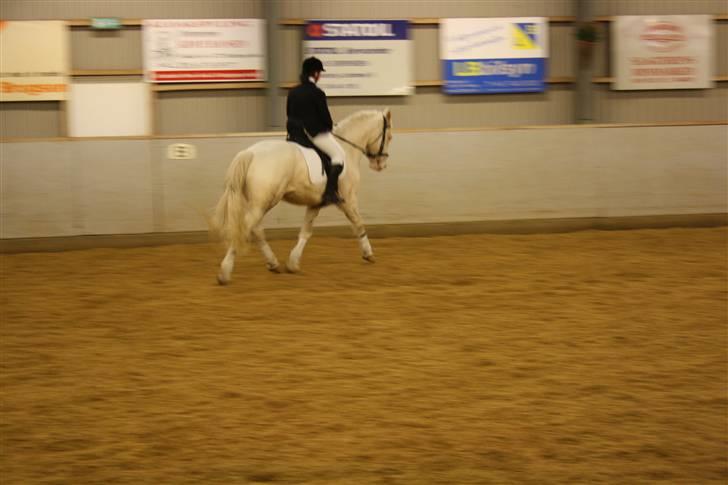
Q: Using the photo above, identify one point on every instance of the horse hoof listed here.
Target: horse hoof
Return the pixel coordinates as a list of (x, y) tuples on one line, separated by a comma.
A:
[(292, 269), (222, 281), (370, 258)]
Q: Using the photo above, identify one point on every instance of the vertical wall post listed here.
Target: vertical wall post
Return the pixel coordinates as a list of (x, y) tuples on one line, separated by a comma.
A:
[(583, 111), (272, 99)]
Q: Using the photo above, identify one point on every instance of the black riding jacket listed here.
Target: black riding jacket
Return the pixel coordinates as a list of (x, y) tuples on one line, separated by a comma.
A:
[(307, 109)]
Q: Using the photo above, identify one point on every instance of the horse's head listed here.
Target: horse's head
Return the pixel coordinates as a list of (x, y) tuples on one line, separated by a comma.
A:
[(378, 146), (369, 132)]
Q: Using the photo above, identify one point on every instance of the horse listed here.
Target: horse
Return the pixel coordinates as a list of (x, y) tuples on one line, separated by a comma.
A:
[(270, 171)]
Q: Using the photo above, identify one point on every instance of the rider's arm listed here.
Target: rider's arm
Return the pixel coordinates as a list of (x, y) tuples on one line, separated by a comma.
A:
[(322, 108)]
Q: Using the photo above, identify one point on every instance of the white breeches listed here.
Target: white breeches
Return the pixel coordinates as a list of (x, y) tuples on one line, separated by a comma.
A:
[(327, 143)]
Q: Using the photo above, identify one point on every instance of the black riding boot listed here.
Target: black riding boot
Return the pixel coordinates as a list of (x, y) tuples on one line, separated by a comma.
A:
[(332, 185)]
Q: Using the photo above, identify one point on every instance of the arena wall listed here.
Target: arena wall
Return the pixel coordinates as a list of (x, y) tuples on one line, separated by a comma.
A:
[(456, 160), (129, 186)]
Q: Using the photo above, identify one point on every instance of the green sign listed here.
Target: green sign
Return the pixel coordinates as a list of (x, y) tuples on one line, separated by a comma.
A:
[(105, 23)]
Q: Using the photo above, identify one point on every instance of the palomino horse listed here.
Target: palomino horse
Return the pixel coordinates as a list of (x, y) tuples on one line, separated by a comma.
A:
[(270, 171)]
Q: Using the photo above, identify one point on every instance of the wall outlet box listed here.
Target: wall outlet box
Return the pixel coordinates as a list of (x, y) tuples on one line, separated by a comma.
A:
[(181, 151)]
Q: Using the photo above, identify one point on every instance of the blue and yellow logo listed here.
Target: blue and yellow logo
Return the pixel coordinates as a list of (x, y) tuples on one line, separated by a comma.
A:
[(525, 35)]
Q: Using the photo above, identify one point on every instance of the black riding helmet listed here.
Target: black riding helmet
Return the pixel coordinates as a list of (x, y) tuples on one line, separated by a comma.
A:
[(311, 65)]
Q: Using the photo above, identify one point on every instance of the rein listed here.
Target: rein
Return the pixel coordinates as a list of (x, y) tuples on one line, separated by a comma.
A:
[(366, 152)]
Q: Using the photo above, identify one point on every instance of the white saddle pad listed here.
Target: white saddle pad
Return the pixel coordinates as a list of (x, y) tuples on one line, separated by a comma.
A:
[(315, 173)]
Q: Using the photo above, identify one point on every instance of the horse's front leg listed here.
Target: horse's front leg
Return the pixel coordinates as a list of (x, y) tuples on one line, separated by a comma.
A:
[(294, 259), (226, 267), (350, 208)]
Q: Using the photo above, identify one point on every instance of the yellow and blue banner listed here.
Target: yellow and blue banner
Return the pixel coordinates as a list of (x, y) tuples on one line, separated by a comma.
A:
[(494, 55)]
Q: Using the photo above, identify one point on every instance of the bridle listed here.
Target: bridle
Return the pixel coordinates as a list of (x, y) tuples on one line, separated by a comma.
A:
[(366, 152)]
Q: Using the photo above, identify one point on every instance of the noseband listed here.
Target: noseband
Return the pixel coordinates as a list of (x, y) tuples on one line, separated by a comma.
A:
[(366, 152)]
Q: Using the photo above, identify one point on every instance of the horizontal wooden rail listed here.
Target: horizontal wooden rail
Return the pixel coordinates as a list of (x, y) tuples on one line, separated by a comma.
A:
[(107, 72), (414, 21), (87, 22), (437, 83), (207, 86), (419, 20), (609, 18), (428, 84), (288, 85), (425, 21), (607, 80), (561, 80)]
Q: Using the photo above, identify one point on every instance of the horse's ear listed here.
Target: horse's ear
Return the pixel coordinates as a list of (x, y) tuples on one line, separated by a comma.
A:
[(388, 114)]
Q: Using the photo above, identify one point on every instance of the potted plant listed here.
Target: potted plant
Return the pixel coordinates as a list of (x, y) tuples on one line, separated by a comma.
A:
[(586, 39)]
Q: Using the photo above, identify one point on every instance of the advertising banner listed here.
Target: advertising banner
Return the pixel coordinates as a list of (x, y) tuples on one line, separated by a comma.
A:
[(35, 60), (208, 50), (494, 55), (663, 51), (362, 57)]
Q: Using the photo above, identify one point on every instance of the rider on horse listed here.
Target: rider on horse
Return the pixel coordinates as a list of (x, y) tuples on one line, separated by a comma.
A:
[(309, 118)]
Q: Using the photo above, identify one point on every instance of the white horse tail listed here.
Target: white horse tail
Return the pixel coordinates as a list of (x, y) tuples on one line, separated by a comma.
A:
[(229, 214)]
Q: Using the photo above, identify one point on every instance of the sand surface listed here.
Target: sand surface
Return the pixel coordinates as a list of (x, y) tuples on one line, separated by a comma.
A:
[(589, 357)]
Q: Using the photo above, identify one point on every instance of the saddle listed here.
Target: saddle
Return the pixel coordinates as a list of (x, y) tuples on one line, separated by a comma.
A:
[(304, 141)]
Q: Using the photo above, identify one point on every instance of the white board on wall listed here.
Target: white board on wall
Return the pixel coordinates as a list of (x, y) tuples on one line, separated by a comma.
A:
[(109, 109), (663, 51)]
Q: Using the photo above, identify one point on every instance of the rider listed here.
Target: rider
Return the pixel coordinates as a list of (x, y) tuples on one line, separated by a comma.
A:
[(309, 117)]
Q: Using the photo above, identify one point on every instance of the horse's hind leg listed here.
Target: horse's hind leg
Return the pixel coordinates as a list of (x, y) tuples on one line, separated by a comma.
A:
[(252, 219), (294, 259), (271, 262)]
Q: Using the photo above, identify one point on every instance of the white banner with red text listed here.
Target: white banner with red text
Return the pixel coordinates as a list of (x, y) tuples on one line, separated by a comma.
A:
[(206, 50), (663, 51)]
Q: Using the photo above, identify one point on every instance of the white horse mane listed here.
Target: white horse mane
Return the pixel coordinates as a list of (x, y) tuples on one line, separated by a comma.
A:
[(354, 118)]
